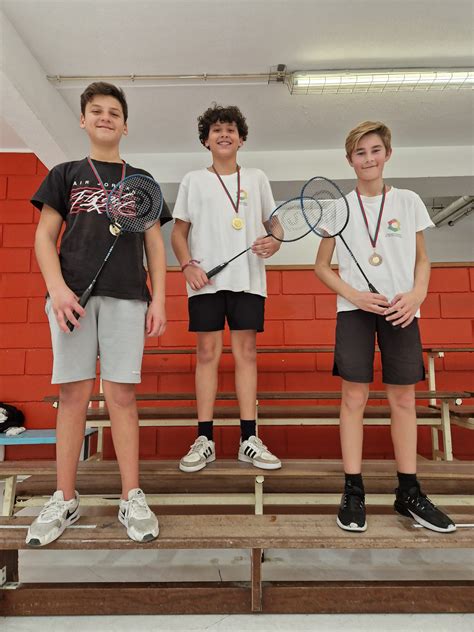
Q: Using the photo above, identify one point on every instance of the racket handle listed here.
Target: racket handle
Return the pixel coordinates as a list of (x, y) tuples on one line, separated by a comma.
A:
[(217, 269), (374, 291), (82, 302)]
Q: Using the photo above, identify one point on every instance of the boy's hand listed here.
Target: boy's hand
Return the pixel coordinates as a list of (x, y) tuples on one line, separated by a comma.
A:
[(403, 308), (155, 324), (195, 277), (370, 302), (265, 247), (64, 303)]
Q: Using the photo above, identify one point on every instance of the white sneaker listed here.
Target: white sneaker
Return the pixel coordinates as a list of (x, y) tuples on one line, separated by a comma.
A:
[(202, 452), (56, 515), (252, 450), (137, 517)]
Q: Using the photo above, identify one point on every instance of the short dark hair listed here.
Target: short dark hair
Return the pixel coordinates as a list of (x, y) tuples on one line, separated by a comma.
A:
[(105, 89), (221, 114)]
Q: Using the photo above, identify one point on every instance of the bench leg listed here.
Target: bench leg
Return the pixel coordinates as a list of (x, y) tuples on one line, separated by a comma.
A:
[(435, 444), (100, 443), (446, 430), (9, 494), (256, 580), (9, 562), (259, 495)]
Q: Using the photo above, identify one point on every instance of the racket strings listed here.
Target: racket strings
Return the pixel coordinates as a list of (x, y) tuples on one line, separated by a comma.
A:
[(294, 219), (135, 204), (333, 204)]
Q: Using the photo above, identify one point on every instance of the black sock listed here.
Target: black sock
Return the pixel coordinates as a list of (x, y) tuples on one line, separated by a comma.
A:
[(354, 480), (407, 481), (248, 428), (206, 428)]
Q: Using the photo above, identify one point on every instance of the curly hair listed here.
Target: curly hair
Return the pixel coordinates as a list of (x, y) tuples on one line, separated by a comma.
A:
[(221, 114), (102, 88)]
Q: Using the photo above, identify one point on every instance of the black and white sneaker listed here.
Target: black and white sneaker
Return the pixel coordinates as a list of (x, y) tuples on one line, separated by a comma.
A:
[(56, 515), (202, 452), (418, 506), (351, 516), (253, 450)]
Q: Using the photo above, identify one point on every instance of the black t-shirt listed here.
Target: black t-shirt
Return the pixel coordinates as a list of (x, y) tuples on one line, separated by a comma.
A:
[(73, 190)]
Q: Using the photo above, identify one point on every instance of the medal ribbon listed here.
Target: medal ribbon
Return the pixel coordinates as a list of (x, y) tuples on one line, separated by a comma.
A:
[(235, 205), (124, 168), (373, 240)]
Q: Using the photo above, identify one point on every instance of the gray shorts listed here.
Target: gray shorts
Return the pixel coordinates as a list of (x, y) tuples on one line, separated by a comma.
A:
[(113, 329)]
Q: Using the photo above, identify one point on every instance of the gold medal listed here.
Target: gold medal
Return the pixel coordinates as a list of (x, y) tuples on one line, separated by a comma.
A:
[(375, 259), (237, 223), (115, 229)]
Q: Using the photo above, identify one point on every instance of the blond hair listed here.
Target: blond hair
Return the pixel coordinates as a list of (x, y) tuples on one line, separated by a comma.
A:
[(368, 127)]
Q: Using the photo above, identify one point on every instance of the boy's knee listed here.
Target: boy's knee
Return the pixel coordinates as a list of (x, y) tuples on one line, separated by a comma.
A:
[(119, 395), (208, 353), (75, 394), (401, 398), (355, 397)]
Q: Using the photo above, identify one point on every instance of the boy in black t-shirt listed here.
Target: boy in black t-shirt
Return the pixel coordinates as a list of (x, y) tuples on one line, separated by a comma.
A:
[(116, 317)]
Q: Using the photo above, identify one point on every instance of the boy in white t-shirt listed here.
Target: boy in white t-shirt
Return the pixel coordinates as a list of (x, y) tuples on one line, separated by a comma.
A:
[(385, 233), (219, 211)]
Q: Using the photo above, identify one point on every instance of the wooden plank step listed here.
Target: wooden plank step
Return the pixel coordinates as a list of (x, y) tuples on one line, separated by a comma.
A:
[(245, 531), (280, 395), (265, 411), (308, 468)]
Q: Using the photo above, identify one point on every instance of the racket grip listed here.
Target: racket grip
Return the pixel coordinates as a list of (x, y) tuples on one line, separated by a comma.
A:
[(215, 270), (82, 302), (374, 291)]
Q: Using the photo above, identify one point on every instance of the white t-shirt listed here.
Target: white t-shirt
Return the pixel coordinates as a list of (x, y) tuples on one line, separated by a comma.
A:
[(403, 216), (203, 203)]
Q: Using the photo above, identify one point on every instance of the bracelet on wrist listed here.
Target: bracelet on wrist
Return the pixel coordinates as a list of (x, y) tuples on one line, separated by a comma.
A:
[(191, 262)]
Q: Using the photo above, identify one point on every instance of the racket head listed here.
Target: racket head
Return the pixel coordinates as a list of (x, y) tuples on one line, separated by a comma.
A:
[(134, 204), (333, 203), (294, 219)]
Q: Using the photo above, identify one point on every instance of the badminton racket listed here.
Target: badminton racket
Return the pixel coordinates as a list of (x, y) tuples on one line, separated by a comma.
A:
[(291, 221), (133, 206), (334, 214)]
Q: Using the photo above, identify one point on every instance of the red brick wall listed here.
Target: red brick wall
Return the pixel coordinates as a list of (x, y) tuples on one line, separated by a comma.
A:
[(300, 311)]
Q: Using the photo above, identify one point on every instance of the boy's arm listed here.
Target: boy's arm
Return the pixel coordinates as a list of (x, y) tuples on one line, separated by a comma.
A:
[(193, 273), (156, 262), (64, 301), (404, 306), (368, 301)]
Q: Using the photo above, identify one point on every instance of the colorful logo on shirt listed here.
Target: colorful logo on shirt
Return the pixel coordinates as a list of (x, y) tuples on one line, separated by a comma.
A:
[(394, 225), (243, 196)]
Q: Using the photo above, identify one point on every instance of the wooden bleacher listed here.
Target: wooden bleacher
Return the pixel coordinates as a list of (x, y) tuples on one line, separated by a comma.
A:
[(232, 505), (286, 408), (253, 533)]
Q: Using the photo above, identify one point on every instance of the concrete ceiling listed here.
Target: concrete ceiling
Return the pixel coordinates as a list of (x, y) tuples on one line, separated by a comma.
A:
[(123, 37)]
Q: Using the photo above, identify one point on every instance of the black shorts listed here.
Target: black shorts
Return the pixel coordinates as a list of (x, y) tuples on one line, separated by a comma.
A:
[(242, 310), (400, 349)]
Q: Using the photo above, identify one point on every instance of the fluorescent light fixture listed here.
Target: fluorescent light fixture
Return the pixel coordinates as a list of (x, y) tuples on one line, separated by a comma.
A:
[(355, 81)]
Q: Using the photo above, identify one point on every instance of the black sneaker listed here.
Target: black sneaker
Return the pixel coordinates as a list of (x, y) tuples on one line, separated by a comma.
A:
[(418, 506), (351, 516)]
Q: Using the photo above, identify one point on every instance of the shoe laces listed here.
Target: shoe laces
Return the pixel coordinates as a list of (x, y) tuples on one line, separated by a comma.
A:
[(258, 443), (138, 507), (199, 445), (52, 510), (421, 500), (352, 499)]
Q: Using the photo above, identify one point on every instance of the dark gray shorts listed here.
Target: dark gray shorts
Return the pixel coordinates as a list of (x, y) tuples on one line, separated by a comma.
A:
[(242, 311), (400, 349)]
